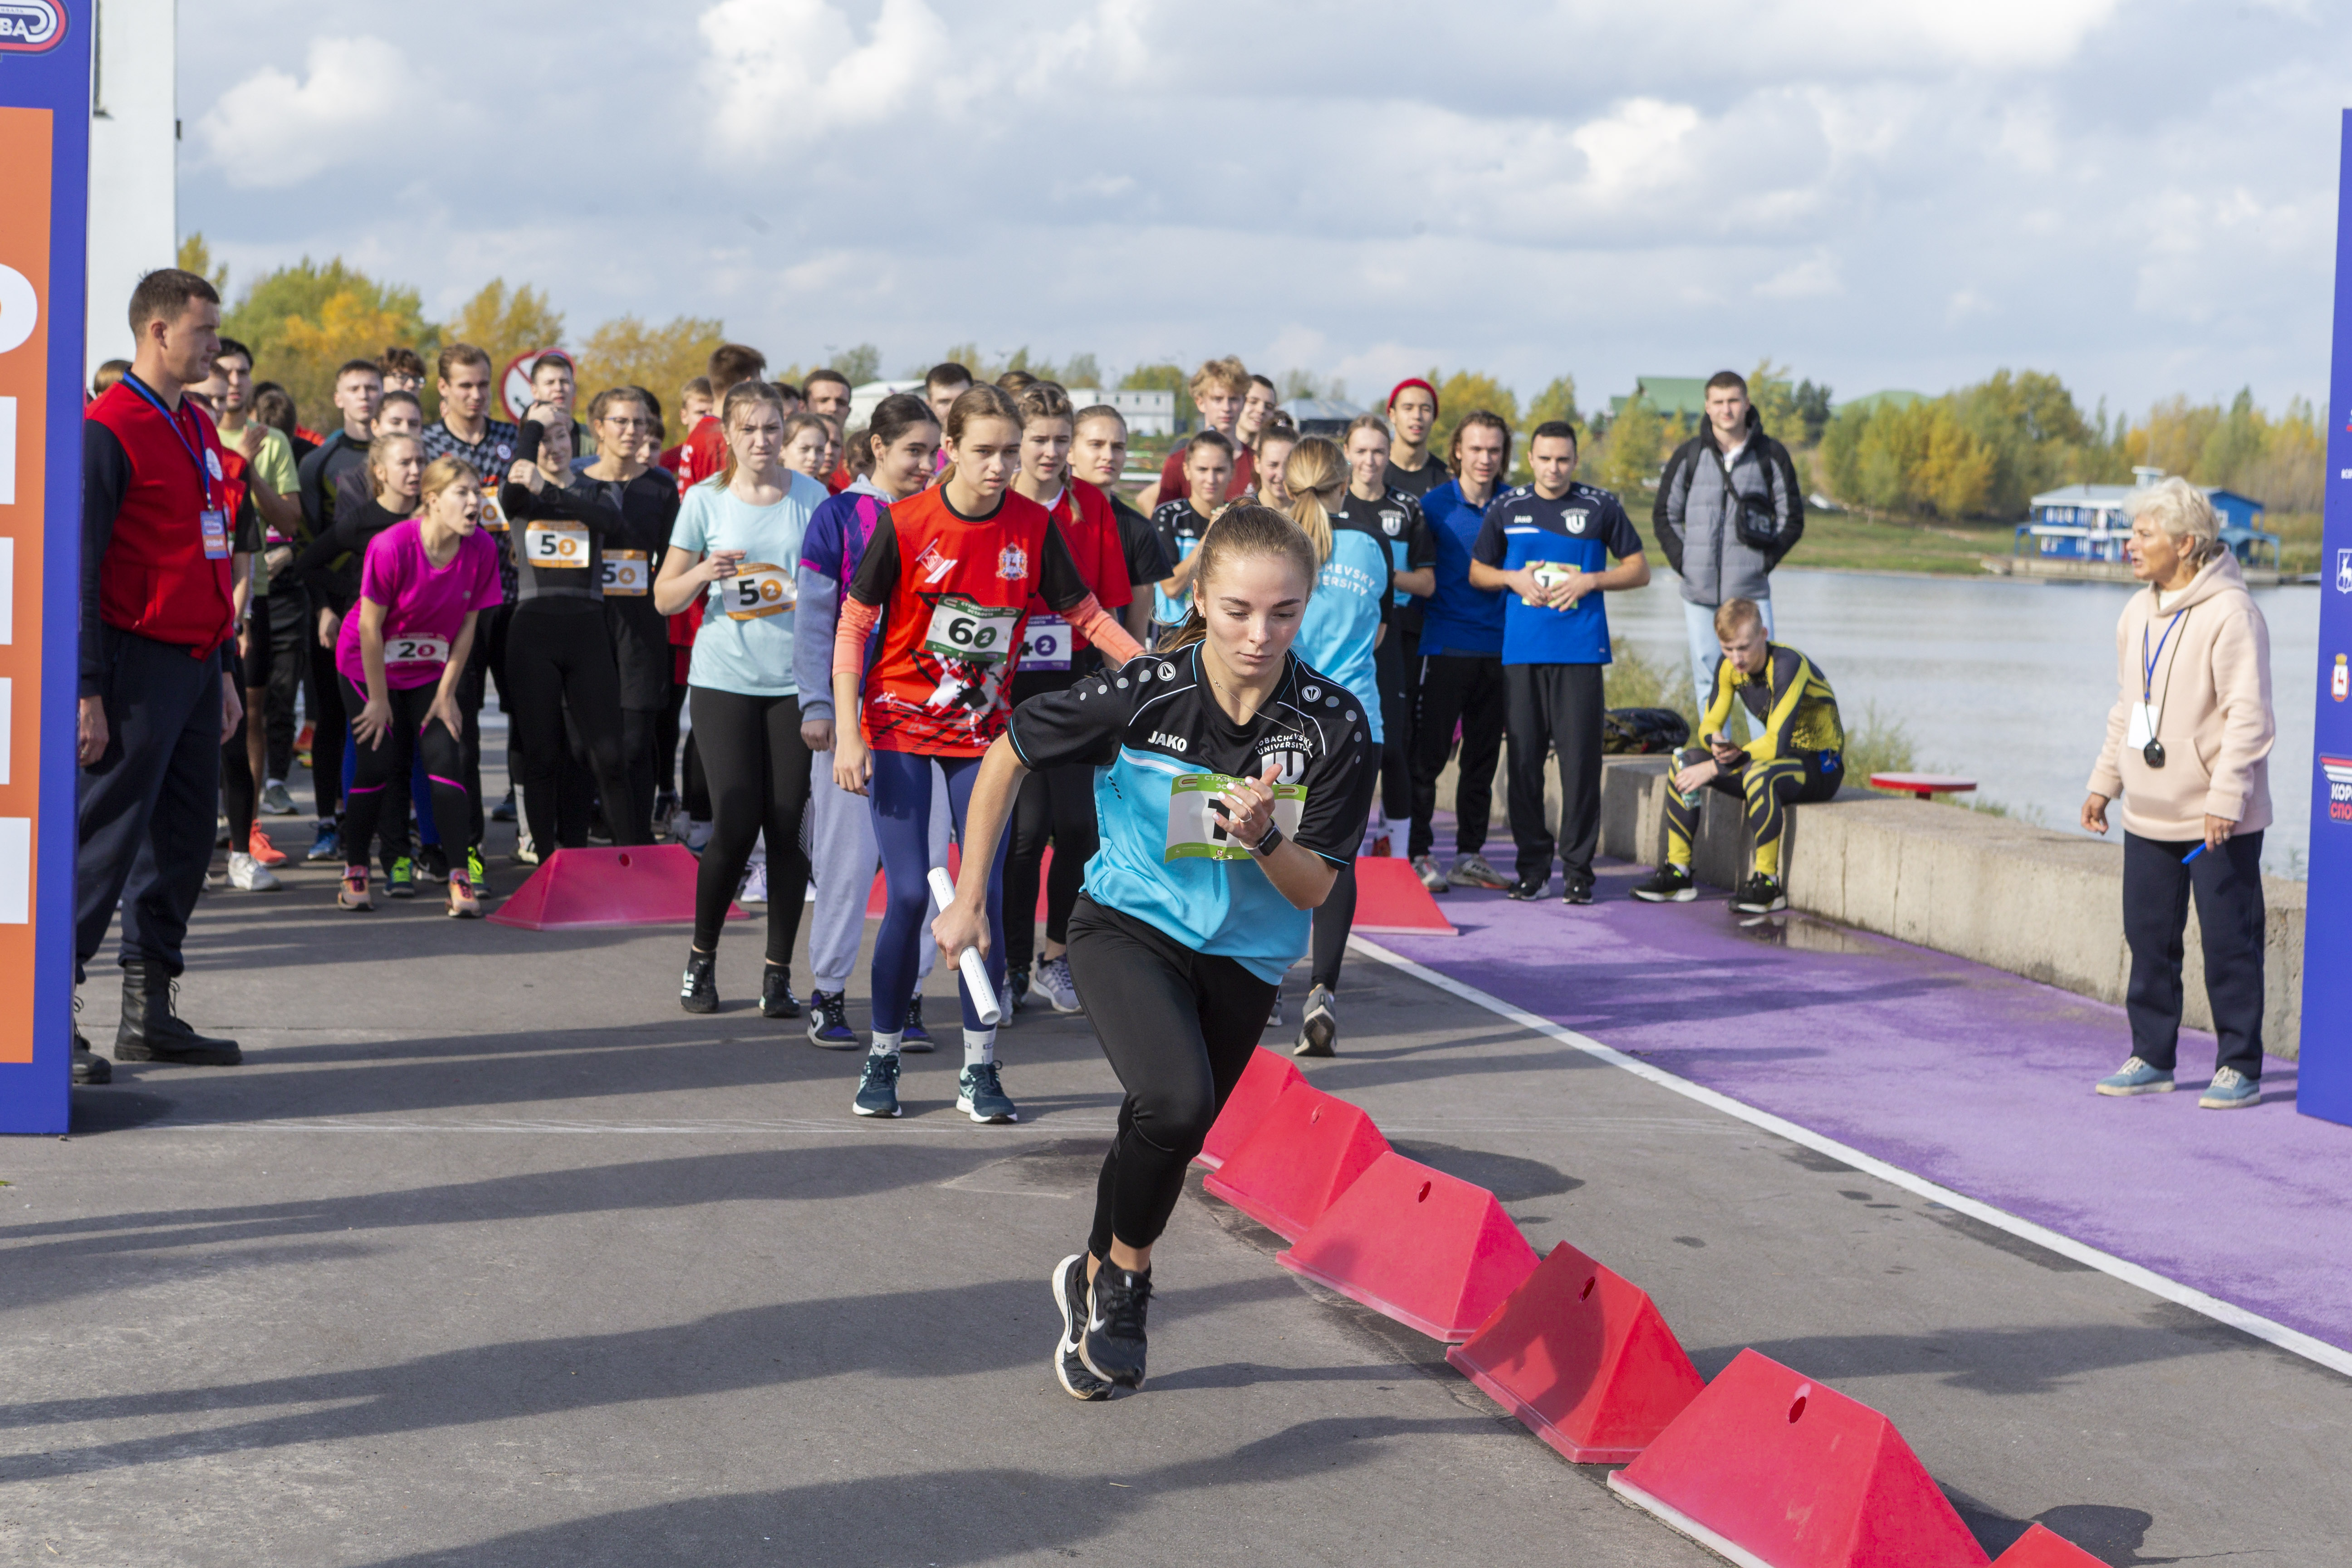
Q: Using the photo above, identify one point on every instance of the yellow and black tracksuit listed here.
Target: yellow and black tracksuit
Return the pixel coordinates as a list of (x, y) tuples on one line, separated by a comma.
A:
[(1796, 758)]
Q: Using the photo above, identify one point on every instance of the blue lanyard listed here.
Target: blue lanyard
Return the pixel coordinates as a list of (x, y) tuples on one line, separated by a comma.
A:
[(203, 475), (2146, 665)]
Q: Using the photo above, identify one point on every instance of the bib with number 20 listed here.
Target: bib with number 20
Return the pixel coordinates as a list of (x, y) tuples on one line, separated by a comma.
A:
[(416, 650), (1195, 832), (965, 629)]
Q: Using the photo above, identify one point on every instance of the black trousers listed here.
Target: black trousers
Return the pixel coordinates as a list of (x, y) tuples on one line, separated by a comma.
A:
[(239, 788), (757, 767), (1549, 708), (144, 814), (2228, 885), (329, 725), (1335, 917), (293, 626), (375, 769), (1178, 1027), (1055, 804), (637, 756), (1396, 670), (559, 659), (1465, 689), (666, 741)]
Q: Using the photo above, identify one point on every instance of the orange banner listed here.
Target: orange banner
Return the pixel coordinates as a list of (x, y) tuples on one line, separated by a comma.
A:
[(24, 415)]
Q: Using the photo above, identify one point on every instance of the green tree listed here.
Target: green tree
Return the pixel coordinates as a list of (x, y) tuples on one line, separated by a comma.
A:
[(196, 257), (1813, 410), (860, 364), (1627, 460), (1081, 371), (1164, 378), (1463, 393), (1557, 400), (305, 321), (504, 323), (1775, 399)]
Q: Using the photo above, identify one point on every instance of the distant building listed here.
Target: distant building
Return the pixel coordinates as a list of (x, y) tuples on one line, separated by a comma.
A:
[(1148, 413), (1675, 396), (2088, 522), (865, 399), (1322, 416)]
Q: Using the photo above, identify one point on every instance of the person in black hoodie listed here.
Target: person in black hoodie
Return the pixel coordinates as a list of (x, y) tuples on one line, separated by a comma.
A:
[(1729, 509), (646, 500), (558, 651)]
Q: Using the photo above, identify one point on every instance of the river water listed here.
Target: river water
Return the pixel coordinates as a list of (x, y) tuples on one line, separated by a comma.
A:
[(2005, 682)]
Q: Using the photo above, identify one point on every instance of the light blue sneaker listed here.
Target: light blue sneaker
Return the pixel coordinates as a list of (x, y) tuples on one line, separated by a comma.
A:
[(2136, 1076), (2229, 1090), (878, 1087), (981, 1095)]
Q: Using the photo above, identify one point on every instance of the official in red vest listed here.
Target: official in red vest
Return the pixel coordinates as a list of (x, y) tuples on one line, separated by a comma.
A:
[(159, 686)]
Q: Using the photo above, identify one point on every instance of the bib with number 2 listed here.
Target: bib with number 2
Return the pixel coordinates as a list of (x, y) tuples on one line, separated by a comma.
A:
[(977, 633), (758, 589), (626, 573), (1195, 832), (549, 543), (1045, 643)]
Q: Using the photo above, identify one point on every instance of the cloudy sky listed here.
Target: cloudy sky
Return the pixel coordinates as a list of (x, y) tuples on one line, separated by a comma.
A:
[(2139, 195)]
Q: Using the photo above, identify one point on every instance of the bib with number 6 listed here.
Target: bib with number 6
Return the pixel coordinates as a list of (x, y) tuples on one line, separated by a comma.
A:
[(548, 542), (626, 573), (758, 589), (1045, 643), (978, 633), (1194, 830), (416, 650)]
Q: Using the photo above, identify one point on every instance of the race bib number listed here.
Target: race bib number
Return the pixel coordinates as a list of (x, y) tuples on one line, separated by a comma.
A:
[(1045, 643), (978, 633), (1547, 575), (216, 541), (626, 573), (492, 517), (416, 650), (757, 590), (547, 543), (1195, 832)]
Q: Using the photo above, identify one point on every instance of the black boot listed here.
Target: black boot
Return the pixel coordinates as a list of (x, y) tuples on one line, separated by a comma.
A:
[(151, 1031), (88, 1067), (776, 998)]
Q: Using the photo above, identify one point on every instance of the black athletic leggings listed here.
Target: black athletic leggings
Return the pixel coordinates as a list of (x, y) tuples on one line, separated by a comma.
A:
[(1335, 917), (1178, 1027), (1057, 803), (373, 767), (758, 766), (637, 727), (560, 657)]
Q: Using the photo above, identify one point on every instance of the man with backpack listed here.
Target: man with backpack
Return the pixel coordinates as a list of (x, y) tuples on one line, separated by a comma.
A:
[(1729, 509)]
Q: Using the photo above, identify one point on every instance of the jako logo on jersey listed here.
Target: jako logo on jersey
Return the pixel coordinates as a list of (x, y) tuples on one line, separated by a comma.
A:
[(2339, 787), (30, 27), (1012, 564), (932, 565), (1173, 743)]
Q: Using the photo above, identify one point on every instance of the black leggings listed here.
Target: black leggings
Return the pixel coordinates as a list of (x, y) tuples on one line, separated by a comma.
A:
[(1178, 1027), (373, 767), (1057, 803), (638, 728), (559, 659), (236, 783), (329, 725), (665, 740), (759, 771), (1335, 917)]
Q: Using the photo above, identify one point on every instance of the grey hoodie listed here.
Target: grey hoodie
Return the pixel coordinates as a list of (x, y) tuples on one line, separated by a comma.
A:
[(1696, 515)]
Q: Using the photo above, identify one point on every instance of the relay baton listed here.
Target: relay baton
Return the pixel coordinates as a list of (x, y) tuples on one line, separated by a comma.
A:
[(974, 967)]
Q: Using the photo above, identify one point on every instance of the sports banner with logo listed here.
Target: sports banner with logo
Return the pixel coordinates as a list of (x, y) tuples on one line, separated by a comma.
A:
[(44, 207), (2324, 1085)]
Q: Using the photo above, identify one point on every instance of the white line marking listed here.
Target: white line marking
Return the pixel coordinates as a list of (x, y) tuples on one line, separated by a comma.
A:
[(15, 870), (8, 711), (8, 591), (2148, 1279), (7, 451)]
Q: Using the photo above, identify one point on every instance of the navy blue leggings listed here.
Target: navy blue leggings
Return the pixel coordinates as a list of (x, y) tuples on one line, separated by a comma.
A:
[(901, 803)]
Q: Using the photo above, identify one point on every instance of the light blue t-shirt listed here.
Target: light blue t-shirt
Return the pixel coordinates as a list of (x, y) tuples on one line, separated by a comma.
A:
[(745, 644), (1342, 622)]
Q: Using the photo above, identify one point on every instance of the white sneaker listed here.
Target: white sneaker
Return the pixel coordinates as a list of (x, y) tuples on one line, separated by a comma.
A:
[(1052, 979), (755, 884), (698, 834), (275, 801), (249, 875)]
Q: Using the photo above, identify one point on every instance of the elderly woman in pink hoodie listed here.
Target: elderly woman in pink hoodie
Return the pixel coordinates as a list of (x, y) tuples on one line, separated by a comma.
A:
[(2189, 745)]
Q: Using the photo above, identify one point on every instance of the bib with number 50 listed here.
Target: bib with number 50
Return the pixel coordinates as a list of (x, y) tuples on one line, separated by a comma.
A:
[(547, 542), (977, 633), (1195, 832), (626, 573), (757, 590)]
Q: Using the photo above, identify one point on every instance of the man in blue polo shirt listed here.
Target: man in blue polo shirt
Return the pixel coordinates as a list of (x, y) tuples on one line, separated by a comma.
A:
[(1548, 545), (1461, 676)]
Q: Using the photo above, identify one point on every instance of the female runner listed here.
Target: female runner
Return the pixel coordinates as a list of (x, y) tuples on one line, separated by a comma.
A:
[(1339, 633), (737, 541), (1059, 803), (1273, 453), (1198, 901), (949, 573), (398, 658), (646, 501)]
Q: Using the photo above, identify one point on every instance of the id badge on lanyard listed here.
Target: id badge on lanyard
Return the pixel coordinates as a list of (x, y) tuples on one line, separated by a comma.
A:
[(217, 538)]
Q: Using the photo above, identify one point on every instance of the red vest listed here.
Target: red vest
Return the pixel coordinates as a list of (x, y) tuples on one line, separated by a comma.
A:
[(155, 579)]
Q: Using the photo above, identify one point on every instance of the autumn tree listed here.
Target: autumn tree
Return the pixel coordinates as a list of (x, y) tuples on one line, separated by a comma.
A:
[(625, 351), (1628, 458), (504, 323), (305, 321)]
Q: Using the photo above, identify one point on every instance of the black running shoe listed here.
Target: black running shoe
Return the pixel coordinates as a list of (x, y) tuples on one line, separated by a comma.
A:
[(1112, 1345), (1528, 890), (433, 864), (698, 991), (1577, 888), (1760, 895), (878, 1086), (776, 998), (1672, 885), (1070, 1367), (914, 1037), (1318, 1025), (1016, 990), (828, 1021)]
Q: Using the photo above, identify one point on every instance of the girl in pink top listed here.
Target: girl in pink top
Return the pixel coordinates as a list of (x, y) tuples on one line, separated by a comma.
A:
[(399, 655)]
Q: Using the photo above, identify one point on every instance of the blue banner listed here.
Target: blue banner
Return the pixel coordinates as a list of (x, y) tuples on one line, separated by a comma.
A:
[(44, 64), (2325, 1082)]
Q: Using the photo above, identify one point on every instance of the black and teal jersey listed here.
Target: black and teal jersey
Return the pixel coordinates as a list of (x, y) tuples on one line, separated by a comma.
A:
[(1581, 529), (1398, 521), (1341, 625), (1156, 736)]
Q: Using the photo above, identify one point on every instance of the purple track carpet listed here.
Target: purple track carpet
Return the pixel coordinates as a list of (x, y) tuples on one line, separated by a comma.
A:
[(1967, 1076)]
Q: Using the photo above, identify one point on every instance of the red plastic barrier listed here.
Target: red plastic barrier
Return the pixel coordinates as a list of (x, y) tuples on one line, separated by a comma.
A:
[(1582, 1356), (647, 884), (1773, 1470), (1307, 1150), (1262, 1081), (1430, 1250), (1390, 897), (2040, 1548)]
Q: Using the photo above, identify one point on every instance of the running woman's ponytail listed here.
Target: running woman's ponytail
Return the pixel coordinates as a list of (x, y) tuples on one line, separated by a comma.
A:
[(1316, 476), (1242, 530), (739, 396)]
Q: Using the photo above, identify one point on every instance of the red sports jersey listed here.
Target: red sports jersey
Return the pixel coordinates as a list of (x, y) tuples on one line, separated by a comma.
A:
[(954, 593), (1174, 486), (702, 454), (1090, 529)]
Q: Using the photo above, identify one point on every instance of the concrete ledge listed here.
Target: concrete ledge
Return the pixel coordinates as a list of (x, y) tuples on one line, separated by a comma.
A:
[(2035, 902)]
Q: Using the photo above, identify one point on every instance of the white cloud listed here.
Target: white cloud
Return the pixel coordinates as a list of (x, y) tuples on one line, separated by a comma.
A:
[(792, 70), (1814, 278), (271, 130)]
